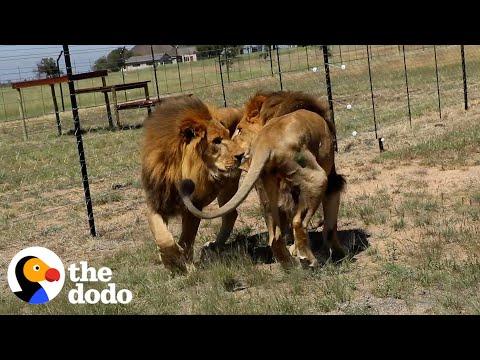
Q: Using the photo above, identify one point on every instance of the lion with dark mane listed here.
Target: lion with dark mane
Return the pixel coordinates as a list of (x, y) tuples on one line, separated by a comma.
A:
[(184, 140)]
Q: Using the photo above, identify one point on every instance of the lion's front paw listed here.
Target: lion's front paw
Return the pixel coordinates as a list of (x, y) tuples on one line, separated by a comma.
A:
[(173, 259)]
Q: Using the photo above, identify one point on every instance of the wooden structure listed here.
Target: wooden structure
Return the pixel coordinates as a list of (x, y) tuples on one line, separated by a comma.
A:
[(31, 83), (105, 89), (142, 103)]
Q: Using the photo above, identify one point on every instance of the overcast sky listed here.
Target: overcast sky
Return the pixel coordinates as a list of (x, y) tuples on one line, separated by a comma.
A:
[(19, 61)]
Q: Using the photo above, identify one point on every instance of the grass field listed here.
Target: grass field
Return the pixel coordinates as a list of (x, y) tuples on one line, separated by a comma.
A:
[(419, 201)]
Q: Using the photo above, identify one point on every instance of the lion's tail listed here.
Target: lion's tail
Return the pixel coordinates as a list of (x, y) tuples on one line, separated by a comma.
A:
[(187, 187), (336, 182)]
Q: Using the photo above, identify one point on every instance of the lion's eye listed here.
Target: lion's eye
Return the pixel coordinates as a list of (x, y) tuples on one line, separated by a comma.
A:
[(237, 132), (217, 140)]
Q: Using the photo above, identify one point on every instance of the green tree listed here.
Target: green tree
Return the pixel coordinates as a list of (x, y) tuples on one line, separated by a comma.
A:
[(208, 51), (48, 66), (114, 61), (101, 64)]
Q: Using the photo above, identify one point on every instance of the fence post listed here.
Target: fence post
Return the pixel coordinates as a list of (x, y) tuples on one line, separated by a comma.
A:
[(329, 90), (406, 84), (55, 107), (438, 84), (226, 63), (306, 53), (271, 60), (178, 68), (60, 84), (43, 100), (155, 71), (464, 71), (221, 79), (279, 69), (22, 114), (371, 92), (78, 134), (3, 100)]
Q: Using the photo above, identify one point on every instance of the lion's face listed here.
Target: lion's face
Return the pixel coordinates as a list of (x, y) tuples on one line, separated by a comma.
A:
[(212, 142), (246, 133), (222, 155)]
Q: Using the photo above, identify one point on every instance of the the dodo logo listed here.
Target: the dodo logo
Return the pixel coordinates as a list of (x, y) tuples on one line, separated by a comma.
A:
[(36, 275)]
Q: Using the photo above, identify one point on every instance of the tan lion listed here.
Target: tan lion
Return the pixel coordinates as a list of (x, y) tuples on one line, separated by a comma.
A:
[(292, 156), (184, 141)]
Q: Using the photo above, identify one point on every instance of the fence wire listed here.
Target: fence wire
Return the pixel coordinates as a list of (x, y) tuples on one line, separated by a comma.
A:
[(40, 185)]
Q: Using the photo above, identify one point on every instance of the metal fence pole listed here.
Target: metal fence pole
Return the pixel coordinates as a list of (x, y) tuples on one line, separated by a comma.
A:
[(306, 53), (464, 71), (78, 134), (438, 83), (121, 70), (22, 114), (178, 68), (279, 69), (60, 84), (221, 79), (406, 84), (226, 63), (270, 56), (3, 100), (329, 90), (155, 71), (371, 91)]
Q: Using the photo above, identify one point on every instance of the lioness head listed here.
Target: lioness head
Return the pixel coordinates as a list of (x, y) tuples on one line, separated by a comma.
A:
[(211, 141), (249, 126)]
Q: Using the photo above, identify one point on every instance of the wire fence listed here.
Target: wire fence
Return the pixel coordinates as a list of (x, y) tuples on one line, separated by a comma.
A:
[(40, 186)]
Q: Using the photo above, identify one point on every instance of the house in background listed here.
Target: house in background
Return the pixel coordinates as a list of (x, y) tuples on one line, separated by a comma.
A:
[(248, 49), (163, 54), (187, 53)]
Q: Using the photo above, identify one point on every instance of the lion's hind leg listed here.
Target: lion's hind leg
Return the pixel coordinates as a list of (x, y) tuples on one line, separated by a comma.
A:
[(276, 240), (331, 204), (311, 182)]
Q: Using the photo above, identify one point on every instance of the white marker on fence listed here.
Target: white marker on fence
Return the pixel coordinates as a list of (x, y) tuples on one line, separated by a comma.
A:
[(349, 106), (314, 69), (354, 133)]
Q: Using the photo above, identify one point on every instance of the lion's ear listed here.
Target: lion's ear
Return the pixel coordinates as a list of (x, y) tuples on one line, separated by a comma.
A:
[(190, 129), (255, 105)]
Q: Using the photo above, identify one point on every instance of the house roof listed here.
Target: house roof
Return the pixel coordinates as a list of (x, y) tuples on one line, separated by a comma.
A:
[(187, 50), (144, 58), (142, 50)]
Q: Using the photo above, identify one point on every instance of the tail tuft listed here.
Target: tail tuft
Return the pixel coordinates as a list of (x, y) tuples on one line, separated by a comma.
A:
[(336, 183), (187, 187)]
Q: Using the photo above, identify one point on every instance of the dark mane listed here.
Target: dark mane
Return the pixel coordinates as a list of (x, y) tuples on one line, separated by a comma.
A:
[(163, 149)]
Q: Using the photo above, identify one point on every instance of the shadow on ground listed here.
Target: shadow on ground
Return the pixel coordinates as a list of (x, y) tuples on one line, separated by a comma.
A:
[(255, 246)]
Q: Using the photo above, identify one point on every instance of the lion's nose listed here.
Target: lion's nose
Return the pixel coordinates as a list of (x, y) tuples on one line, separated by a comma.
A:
[(239, 157)]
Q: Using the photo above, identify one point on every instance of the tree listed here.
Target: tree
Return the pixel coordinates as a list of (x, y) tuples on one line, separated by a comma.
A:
[(208, 51), (101, 64), (48, 66), (114, 61)]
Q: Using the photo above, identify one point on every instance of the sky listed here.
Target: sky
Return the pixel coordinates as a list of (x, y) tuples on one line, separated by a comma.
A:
[(18, 62)]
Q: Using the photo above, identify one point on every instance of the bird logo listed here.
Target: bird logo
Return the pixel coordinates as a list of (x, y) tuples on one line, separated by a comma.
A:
[(36, 275)]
